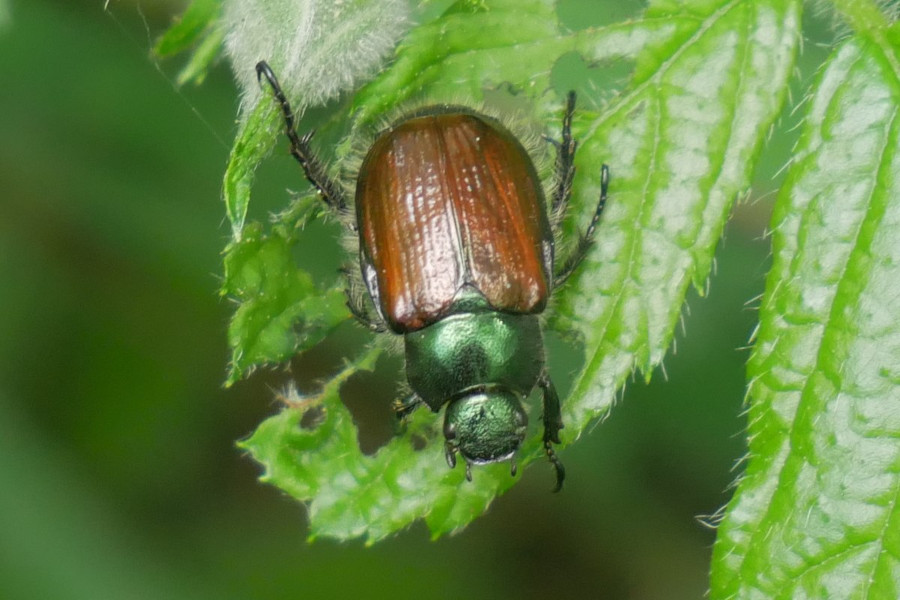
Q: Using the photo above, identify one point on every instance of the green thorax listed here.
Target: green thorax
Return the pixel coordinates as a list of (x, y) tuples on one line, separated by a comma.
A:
[(468, 351)]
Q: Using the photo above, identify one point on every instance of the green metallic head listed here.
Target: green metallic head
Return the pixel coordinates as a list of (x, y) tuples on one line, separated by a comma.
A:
[(484, 427)]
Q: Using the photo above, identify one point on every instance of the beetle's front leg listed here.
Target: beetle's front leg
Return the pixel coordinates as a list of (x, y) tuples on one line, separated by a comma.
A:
[(552, 424)]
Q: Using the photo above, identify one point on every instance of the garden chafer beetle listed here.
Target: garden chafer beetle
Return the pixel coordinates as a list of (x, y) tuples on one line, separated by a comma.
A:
[(457, 252)]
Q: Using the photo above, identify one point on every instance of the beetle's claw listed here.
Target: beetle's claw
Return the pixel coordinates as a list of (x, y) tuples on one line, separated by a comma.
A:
[(557, 465), (263, 69)]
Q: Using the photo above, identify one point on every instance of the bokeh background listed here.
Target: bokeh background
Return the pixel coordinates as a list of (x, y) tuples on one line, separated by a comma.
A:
[(119, 475)]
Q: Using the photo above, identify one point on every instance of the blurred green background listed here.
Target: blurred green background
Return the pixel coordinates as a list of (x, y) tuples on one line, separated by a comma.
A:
[(119, 477)]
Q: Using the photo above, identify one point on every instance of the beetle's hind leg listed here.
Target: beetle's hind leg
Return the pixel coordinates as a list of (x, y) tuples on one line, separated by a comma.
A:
[(328, 189), (565, 163), (552, 424), (586, 239)]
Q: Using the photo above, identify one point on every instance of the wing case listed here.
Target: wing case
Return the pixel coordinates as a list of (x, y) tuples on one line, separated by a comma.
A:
[(448, 202)]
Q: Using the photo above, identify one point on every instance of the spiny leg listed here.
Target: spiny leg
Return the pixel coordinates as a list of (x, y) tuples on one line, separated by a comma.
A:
[(565, 161), (300, 148), (356, 303), (359, 310), (552, 424), (587, 238)]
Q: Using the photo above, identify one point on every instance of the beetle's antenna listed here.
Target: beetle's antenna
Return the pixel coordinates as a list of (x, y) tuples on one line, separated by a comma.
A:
[(300, 148)]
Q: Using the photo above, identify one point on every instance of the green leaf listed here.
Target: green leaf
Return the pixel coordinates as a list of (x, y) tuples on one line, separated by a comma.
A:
[(318, 48), (203, 56), (255, 137), (477, 46), (817, 514), (680, 140), (281, 312), (198, 28), (681, 143), (189, 28), (356, 495)]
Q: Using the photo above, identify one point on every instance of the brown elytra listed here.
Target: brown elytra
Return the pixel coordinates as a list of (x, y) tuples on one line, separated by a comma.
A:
[(449, 202)]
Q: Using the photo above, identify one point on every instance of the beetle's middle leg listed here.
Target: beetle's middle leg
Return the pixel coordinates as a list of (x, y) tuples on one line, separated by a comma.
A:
[(585, 239), (328, 189)]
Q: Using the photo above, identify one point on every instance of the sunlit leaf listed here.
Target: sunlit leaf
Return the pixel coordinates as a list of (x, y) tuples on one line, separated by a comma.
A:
[(816, 514), (680, 141)]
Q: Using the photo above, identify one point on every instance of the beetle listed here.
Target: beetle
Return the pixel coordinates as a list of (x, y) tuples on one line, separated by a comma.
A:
[(457, 252)]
